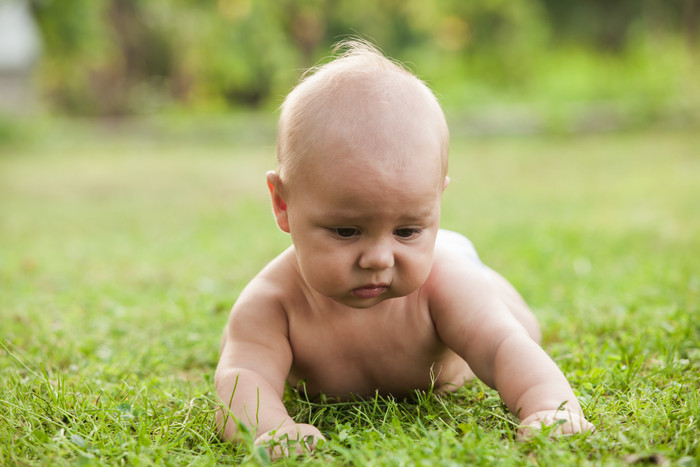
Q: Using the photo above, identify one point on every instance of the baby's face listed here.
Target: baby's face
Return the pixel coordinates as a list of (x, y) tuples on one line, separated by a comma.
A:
[(364, 229)]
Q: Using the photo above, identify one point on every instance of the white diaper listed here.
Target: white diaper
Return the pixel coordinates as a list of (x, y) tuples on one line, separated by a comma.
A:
[(459, 243)]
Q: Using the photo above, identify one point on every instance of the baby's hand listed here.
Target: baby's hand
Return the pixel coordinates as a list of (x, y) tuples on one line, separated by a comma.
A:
[(566, 422), (299, 438)]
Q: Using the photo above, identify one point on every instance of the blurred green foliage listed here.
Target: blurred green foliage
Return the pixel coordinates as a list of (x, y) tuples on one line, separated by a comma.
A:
[(117, 57)]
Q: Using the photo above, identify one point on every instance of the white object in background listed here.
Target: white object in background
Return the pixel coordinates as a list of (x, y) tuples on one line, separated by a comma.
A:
[(20, 48)]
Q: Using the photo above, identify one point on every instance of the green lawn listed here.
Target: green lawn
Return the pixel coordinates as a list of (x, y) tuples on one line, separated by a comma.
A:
[(122, 250)]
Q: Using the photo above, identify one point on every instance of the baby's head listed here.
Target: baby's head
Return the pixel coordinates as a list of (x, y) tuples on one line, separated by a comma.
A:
[(362, 150), (365, 105)]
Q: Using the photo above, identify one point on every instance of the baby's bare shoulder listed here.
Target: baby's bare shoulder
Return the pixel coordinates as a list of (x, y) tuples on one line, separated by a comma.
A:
[(265, 298), (457, 286), (256, 336), (454, 270)]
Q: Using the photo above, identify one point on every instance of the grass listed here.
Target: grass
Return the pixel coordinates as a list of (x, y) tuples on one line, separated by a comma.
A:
[(122, 250)]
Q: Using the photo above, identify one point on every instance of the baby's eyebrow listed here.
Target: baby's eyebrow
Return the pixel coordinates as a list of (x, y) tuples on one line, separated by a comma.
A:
[(352, 217), (420, 216)]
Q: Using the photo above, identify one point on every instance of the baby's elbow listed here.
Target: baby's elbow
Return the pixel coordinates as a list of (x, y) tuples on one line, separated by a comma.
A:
[(235, 392), (221, 380), (226, 427), (227, 379)]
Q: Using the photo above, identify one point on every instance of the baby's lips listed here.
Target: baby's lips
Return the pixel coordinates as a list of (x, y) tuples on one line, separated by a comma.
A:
[(370, 290)]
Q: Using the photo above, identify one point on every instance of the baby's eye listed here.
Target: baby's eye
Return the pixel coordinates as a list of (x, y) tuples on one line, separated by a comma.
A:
[(406, 232), (345, 232)]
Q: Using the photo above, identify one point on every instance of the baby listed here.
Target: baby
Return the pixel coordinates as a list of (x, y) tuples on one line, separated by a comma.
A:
[(373, 296)]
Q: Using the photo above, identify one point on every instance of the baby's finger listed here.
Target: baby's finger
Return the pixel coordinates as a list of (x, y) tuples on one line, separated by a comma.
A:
[(573, 424), (561, 423), (526, 433)]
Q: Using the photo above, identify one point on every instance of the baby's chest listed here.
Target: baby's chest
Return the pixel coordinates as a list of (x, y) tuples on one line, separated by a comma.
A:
[(363, 353)]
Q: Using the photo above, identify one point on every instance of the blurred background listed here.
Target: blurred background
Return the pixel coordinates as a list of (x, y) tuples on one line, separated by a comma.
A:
[(498, 65)]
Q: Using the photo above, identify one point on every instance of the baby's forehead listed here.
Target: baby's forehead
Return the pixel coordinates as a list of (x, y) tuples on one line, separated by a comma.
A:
[(371, 107), (366, 103), (390, 91)]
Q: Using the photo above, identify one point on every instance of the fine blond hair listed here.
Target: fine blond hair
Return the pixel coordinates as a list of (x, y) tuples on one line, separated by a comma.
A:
[(307, 108)]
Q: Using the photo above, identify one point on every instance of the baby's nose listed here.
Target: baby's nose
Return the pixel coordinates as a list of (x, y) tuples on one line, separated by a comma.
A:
[(377, 255)]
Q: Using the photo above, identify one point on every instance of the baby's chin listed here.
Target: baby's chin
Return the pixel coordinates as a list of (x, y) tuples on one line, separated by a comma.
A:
[(352, 301)]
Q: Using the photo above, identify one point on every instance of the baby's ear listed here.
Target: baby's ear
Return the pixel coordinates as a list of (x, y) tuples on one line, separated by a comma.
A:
[(279, 206), (446, 182)]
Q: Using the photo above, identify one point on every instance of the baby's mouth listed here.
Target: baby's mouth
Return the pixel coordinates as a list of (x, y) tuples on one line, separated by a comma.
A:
[(370, 290)]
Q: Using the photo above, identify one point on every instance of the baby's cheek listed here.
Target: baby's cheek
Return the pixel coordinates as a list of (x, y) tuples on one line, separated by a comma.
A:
[(419, 270), (324, 276)]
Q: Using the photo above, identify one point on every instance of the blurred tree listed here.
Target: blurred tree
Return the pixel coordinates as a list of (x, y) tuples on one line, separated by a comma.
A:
[(305, 23), (601, 23), (240, 55), (114, 57), (144, 56), (607, 24), (74, 37), (691, 12)]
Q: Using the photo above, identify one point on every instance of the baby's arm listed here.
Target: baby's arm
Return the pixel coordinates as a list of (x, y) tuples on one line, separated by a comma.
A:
[(473, 320), (254, 363), (533, 387)]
